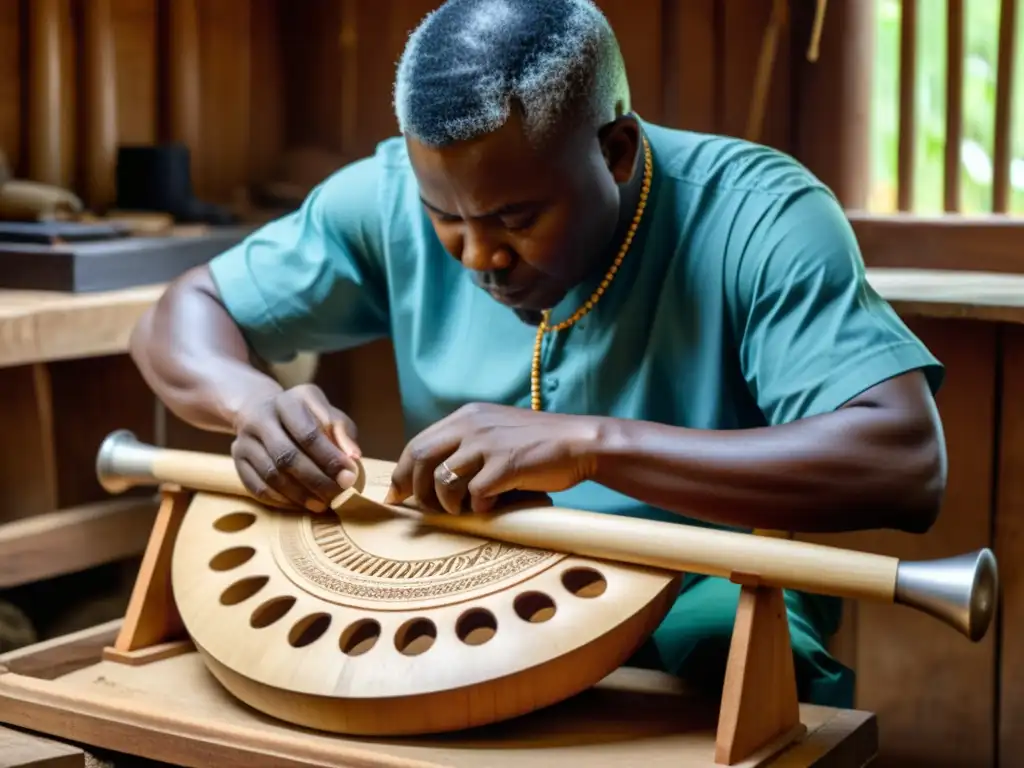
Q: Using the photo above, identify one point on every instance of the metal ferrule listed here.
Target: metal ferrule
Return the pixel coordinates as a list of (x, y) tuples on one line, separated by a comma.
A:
[(961, 591), (123, 462)]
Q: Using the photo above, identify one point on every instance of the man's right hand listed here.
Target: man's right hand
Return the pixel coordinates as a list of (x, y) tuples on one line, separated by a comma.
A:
[(295, 449)]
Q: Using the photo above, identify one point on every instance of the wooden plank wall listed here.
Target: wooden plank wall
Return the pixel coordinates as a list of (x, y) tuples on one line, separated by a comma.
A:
[(258, 86), (270, 77), (265, 88)]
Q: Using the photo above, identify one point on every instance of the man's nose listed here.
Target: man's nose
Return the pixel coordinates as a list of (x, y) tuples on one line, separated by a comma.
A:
[(481, 252)]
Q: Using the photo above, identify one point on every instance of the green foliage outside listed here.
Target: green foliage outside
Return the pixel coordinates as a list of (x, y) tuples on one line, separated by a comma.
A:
[(981, 48)]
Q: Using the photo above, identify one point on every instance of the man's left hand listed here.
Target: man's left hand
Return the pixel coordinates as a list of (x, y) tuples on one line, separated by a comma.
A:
[(470, 457)]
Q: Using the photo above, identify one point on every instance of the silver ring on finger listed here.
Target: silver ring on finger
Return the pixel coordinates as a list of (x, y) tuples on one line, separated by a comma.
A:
[(447, 476)]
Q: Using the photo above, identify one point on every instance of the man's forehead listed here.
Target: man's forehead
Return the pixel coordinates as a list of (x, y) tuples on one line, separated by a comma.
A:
[(487, 174)]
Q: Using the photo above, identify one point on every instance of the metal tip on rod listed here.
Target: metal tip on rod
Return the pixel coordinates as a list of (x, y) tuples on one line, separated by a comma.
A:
[(961, 591), (123, 462)]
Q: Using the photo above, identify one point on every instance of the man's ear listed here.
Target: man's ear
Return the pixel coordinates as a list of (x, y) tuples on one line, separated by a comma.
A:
[(620, 145)]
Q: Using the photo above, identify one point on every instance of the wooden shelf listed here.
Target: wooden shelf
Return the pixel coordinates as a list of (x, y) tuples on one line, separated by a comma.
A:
[(43, 326), (75, 539), (989, 296)]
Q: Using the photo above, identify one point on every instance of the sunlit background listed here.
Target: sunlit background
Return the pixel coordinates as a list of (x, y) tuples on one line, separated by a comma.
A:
[(981, 18)]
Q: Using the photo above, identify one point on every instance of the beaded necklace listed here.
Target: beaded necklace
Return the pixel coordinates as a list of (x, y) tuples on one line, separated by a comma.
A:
[(588, 305)]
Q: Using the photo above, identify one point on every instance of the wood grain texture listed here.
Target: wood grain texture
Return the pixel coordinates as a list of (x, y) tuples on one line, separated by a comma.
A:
[(23, 750), (28, 468), (354, 623), (691, 64), (1009, 538), (118, 398), (99, 104), (640, 37), (38, 326), (759, 698), (966, 243), (225, 61), (11, 86), (832, 110), (173, 710), (70, 540), (136, 57), (249, 83), (63, 655), (151, 616), (935, 695)]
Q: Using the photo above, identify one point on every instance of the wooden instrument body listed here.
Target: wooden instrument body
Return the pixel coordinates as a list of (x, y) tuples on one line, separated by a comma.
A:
[(199, 545), (367, 622)]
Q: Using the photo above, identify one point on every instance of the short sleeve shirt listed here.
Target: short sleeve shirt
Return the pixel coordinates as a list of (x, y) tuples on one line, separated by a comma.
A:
[(742, 303)]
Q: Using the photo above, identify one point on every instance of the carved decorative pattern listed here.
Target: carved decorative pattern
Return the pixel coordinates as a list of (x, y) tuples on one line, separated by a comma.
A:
[(323, 553)]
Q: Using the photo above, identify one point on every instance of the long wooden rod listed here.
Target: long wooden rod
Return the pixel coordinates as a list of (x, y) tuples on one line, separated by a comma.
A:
[(954, 104), (180, 64), (908, 111), (46, 106), (959, 591), (1004, 106), (100, 107)]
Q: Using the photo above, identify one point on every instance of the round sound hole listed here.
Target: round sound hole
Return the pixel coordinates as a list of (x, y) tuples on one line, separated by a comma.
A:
[(230, 559), (236, 521), (359, 637), (476, 626), (416, 636), (584, 582), (271, 611), (309, 630), (534, 607), (242, 590)]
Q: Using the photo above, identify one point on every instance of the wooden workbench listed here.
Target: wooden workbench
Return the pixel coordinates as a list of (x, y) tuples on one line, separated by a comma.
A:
[(43, 326), (935, 695), (173, 710)]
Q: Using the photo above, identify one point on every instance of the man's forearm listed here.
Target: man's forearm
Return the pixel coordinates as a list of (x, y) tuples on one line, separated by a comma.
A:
[(195, 359), (857, 468)]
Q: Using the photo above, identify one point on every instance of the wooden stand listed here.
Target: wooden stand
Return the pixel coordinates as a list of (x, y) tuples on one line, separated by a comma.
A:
[(164, 693)]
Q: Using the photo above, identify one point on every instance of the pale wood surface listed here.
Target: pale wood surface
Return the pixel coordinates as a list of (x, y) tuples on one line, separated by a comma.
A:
[(759, 697), (23, 750), (243, 640), (379, 625), (172, 710), (934, 293), (59, 656), (151, 616), (40, 326), (671, 547)]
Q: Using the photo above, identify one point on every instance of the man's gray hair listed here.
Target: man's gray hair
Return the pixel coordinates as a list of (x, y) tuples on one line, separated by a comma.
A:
[(470, 61)]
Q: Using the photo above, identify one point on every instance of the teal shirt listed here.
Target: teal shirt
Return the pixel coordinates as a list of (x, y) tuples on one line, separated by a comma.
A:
[(743, 302)]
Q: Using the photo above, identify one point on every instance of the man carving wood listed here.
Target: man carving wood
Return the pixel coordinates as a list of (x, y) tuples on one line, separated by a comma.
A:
[(635, 319)]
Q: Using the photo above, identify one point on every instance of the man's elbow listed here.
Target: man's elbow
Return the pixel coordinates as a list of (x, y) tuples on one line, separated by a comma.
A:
[(924, 482)]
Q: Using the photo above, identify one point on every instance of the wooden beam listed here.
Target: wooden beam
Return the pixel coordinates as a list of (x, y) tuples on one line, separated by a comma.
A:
[(970, 243), (99, 148), (60, 656), (23, 750), (1002, 150), (954, 103), (72, 540), (41, 326), (833, 100)]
